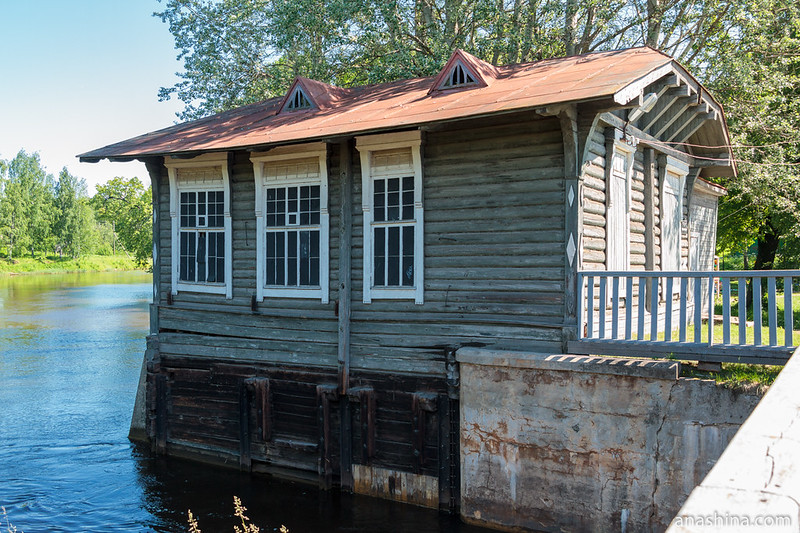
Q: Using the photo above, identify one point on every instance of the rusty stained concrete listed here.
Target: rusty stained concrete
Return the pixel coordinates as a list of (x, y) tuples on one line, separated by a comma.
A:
[(394, 485), (586, 444)]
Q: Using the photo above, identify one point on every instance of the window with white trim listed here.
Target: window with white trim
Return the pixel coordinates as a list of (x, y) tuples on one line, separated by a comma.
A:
[(618, 200), (201, 224), (391, 173), (292, 222)]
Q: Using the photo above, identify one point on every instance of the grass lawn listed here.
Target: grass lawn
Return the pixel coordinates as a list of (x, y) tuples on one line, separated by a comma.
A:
[(89, 263)]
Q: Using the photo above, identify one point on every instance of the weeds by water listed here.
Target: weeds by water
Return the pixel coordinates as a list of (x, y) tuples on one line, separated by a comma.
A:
[(7, 526), (239, 512)]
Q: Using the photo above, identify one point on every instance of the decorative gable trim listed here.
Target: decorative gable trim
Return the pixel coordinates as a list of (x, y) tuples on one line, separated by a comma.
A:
[(463, 71), (298, 100), (306, 94)]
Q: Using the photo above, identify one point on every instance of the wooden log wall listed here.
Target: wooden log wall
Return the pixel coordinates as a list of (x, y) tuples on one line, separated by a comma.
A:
[(594, 210), (255, 383)]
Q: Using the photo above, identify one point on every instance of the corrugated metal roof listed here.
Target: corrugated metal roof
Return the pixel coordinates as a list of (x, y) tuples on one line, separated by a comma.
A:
[(399, 104)]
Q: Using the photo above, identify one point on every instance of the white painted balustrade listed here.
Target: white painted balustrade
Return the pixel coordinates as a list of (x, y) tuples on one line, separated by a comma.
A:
[(676, 312)]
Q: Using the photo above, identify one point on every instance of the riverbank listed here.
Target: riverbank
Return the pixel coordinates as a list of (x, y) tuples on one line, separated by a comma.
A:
[(51, 265)]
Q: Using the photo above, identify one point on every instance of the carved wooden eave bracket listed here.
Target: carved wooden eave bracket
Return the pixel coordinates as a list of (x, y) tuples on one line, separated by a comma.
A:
[(685, 121)]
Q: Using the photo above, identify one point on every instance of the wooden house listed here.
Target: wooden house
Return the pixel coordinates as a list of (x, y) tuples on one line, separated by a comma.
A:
[(319, 257)]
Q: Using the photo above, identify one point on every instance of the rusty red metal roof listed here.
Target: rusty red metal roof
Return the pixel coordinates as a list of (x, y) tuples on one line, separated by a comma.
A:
[(400, 104)]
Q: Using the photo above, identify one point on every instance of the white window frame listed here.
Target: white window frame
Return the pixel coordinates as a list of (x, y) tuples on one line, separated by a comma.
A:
[(367, 147), (675, 171), (618, 254), (217, 161), (261, 160)]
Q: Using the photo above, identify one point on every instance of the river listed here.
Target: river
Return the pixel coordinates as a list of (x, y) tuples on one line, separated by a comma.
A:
[(71, 349)]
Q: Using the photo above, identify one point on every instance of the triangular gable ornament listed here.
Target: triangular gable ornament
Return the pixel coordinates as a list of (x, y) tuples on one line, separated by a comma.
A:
[(464, 70), (305, 94), (297, 98)]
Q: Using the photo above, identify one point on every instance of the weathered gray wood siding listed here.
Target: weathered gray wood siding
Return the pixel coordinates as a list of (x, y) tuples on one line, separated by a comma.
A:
[(594, 204), (209, 325), (494, 252)]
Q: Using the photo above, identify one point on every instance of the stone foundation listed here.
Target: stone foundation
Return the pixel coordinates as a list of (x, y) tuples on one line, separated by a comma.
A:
[(577, 443)]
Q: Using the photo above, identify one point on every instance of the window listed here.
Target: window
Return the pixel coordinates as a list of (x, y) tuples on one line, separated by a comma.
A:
[(391, 170), (202, 237), (458, 77), (292, 222), (673, 174), (618, 220), (298, 100), (201, 224)]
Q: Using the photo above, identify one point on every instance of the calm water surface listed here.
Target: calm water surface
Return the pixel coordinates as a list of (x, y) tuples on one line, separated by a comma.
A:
[(71, 349)]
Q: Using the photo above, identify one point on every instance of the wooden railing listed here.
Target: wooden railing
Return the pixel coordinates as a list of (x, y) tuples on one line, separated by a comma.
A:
[(657, 313)]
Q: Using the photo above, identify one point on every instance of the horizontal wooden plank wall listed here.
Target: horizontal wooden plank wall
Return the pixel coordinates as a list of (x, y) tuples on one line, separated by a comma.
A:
[(257, 383), (594, 207), (494, 253)]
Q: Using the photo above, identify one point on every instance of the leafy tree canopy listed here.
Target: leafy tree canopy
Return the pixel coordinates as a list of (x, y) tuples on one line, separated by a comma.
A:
[(127, 204), (746, 51)]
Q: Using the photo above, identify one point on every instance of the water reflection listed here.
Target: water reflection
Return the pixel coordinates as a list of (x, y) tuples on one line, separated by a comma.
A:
[(71, 349)]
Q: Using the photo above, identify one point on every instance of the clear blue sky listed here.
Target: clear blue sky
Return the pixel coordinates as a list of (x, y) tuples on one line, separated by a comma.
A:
[(80, 74)]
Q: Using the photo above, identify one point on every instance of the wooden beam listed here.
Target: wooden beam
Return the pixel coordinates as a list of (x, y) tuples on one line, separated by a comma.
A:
[(154, 167), (662, 106), (677, 109), (568, 118), (759, 355), (693, 125), (646, 139), (680, 123), (345, 262)]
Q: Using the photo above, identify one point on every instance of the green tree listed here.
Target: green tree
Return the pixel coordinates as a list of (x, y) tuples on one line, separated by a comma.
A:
[(240, 51), (758, 81), (74, 227), (26, 206), (127, 206)]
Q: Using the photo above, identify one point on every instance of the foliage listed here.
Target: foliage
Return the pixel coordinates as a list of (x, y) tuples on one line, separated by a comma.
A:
[(40, 215), (756, 378), (241, 51), (246, 525), (84, 263), (26, 206), (758, 80), (127, 205), (74, 227), (8, 527)]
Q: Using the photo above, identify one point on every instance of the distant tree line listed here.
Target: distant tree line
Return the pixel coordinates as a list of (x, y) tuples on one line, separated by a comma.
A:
[(41, 215)]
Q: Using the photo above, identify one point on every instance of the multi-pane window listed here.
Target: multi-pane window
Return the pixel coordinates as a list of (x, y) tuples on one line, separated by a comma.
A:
[(393, 232), (200, 224), (292, 240), (202, 237), (293, 236), (391, 180)]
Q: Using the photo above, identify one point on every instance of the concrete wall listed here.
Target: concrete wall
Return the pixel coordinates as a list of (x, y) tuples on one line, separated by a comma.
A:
[(755, 485), (573, 443)]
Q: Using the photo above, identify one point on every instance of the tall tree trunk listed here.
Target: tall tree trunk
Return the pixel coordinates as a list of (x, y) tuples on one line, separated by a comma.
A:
[(570, 26), (654, 18), (767, 247)]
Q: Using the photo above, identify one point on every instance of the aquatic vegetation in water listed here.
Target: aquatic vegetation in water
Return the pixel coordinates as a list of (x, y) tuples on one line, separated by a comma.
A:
[(239, 510), (8, 527)]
